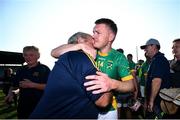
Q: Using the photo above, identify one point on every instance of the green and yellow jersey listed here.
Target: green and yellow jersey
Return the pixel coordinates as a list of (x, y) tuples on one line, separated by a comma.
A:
[(143, 73), (116, 66), (132, 66)]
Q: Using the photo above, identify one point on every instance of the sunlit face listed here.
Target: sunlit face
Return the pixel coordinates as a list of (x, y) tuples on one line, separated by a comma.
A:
[(31, 57), (176, 49), (101, 35)]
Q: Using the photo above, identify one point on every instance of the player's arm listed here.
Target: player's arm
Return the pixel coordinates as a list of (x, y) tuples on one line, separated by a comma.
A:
[(104, 100), (123, 86), (102, 83), (135, 81)]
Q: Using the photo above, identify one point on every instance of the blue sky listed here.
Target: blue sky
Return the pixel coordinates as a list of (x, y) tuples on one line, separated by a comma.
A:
[(49, 23)]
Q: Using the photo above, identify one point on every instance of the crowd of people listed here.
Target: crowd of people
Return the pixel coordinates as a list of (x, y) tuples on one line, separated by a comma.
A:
[(92, 80)]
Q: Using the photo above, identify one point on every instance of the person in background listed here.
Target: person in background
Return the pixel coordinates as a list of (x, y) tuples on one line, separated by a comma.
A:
[(7, 82), (132, 67), (138, 67), (143, 75), (175, 73), (124, 112), (128, 99), (120, 50), (115, 74), (157, 78), (175, 64), (65, 96), (31, 80), (132, 64)]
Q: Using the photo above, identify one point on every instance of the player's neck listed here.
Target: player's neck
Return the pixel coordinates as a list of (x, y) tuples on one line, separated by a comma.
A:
[(104, 50)]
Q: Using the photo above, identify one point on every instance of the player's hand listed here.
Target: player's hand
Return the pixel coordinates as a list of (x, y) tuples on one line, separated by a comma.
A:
[(98, 83)]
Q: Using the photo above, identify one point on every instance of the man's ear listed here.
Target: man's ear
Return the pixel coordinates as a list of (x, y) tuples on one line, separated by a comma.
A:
[(38, 55), (111, 36)]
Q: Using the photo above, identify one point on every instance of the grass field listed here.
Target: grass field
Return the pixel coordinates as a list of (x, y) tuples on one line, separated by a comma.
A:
[(5, 111)]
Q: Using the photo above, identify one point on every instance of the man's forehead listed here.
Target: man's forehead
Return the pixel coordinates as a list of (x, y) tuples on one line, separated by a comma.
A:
[(101, 27), (30, 52), (176, 43)]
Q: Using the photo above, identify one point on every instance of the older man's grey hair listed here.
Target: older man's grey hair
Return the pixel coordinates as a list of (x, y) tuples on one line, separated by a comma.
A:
[(74, 38)]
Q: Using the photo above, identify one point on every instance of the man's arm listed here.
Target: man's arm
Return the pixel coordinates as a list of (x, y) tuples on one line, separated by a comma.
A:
[(102, 83), (58, 51), (155, 86), (29, 84), (136, 86), (104, 100)]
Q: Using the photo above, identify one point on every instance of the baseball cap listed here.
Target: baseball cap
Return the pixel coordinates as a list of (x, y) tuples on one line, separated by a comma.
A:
[(151, 41)]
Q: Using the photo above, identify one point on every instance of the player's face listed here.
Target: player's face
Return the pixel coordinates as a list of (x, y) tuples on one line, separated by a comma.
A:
[(101, 35)]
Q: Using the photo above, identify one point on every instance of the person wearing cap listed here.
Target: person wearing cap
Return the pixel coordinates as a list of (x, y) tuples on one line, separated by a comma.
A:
[(157, 78)]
